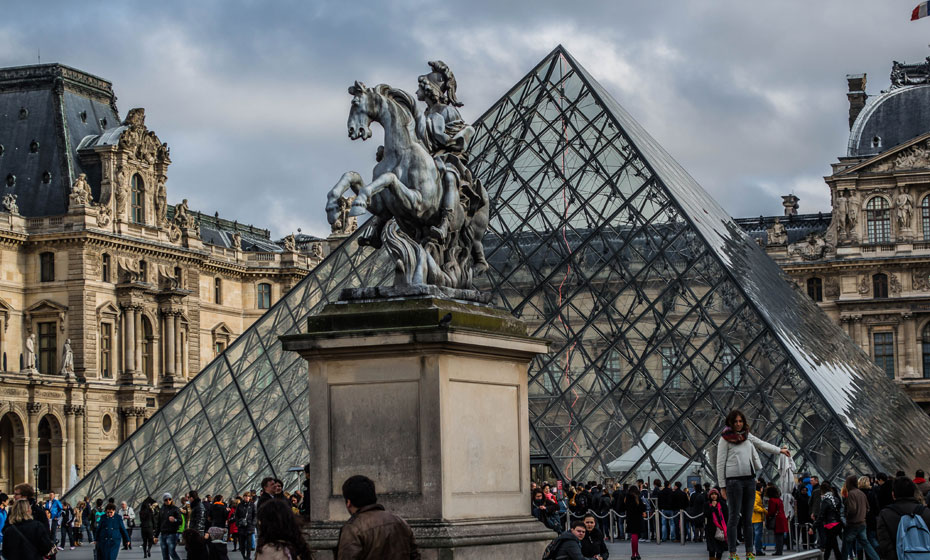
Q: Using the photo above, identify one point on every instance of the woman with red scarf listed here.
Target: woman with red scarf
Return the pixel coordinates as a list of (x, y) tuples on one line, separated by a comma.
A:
[(738, 464)]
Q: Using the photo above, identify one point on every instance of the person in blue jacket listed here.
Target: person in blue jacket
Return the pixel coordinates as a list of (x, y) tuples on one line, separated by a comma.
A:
[(4, 512), (110, 534)]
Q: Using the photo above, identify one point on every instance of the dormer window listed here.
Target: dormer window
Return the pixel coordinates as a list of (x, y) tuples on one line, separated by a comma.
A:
[(876, 141)]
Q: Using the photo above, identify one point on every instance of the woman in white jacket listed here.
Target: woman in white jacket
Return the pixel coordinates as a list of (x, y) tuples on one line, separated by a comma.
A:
[(738, 464)]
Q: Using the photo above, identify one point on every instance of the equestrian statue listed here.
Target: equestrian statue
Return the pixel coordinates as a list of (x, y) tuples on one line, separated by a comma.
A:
[(426, 207)]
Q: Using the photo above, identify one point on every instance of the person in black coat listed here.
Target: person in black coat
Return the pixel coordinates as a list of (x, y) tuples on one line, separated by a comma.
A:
[(636, 521), (198, 518), (696, 512), (715, 518), (568, 544), (24, 538), (888, 519), (147, 525), (219, 513), (593, 543)]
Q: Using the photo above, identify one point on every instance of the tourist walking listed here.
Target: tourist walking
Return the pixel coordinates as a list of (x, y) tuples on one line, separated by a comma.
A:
[(830, 519), (218, 514), (110, 533), (147, 525), (128, 515), (279, 537), (245, 521), (169, 521), (25, 538), (371, 531), (865, 484), (737, 461), (233, 534), (715, 522), (857, 507), (195, 545), (77, 525), (696, 512), (776, 518), (4, 512), (198, 513), (67, 526), (635, 510)]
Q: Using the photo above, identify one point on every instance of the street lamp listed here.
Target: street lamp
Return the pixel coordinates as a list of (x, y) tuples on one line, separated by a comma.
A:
[(35, 471)]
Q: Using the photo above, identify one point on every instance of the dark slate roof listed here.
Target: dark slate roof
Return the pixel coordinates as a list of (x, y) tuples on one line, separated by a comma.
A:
[(45, 112), (894, 117), (797, 227), (219, 231)]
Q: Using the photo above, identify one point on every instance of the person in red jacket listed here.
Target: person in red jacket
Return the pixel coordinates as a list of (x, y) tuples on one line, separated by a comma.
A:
[(777, 510)]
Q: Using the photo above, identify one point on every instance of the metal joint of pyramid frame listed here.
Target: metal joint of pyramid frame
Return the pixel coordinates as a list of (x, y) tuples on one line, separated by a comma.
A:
[(663, 315)]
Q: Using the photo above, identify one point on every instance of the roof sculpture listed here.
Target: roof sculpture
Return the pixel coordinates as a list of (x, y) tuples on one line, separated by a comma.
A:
[(663, 314)]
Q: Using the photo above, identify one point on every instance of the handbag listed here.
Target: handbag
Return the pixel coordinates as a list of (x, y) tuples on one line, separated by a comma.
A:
[(718, 534)]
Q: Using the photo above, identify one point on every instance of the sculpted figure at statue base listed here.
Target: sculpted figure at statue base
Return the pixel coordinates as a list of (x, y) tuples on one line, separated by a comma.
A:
[(426, 207)]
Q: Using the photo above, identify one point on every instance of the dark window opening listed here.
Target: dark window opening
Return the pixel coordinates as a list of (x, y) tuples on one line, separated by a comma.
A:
[(884, 352), (815, 288), (880, 286), (47, 267)]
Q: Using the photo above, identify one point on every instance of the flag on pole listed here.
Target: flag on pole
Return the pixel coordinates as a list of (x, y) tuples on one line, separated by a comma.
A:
[(919, 12)]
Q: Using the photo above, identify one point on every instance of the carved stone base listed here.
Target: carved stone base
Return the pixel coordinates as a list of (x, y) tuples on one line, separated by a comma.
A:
[(486, 539), (380, 293)]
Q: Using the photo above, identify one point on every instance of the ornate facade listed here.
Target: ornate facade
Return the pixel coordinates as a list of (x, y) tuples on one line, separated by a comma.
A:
[(91, 254), (867, 263)]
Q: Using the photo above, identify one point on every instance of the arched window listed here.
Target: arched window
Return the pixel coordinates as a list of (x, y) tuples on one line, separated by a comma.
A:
[(815, 288), (138, 201), (878, 220), (105, 268), (880, 286), (925, 217), (218, 291), (925, 346), (264, 295)]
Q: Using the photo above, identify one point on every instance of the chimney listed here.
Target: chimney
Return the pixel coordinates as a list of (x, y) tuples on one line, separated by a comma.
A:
[(856, 96), (790, 202)]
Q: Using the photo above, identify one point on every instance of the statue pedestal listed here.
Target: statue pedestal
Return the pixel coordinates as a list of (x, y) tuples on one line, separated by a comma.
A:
[(427, 397)]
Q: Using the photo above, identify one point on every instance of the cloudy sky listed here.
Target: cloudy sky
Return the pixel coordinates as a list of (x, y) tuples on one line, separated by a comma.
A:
[(251, 95)]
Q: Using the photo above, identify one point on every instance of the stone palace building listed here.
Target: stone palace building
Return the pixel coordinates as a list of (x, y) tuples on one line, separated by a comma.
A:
[(110, 298), (867, 263)]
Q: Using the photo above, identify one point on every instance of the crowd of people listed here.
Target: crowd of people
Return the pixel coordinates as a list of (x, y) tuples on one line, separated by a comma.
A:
[(265, 523), (860, 519)]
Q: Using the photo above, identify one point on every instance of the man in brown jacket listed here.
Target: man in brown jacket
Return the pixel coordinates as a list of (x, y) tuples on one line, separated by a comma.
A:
[(857, 506), (371, 533)]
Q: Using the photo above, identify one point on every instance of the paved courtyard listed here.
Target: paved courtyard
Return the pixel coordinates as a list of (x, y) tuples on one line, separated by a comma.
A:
[(618, 551)]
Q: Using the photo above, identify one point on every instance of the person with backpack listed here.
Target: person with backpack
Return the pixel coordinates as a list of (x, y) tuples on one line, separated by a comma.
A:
[(831, 519), (567, 546), (902, 527)]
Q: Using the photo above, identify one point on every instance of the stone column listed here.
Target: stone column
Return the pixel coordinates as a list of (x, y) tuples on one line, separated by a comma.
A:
[(178, 350), (79, 438), (169, 346), (33, 409), (444, 432), (69, 449), (129, 355), (140, 335)]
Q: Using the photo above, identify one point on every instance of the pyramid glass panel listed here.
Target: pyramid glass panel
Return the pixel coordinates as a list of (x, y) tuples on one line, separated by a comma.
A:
[(663, 315)]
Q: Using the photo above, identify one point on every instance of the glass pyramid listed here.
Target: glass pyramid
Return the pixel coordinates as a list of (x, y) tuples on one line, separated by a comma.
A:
[(663, 314)]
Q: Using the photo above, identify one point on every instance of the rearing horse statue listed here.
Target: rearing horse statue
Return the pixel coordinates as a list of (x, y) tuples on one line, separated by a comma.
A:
[(404, 196)]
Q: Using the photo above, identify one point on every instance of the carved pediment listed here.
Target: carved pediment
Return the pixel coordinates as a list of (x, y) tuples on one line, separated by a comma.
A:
[(107, 309), (46, 309), (811, 248), (912, 157), (221, 332)]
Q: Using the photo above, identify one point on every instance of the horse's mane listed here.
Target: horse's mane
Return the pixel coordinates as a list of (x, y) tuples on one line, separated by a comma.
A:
[(401, 97)]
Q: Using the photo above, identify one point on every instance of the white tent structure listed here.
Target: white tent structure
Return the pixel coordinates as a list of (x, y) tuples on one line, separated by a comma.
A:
[(662, 463)]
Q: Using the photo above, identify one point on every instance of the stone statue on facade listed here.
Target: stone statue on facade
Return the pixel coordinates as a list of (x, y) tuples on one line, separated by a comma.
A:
[(345, 223), (67, 359), (80, 192), (777, 234), (841, 212), (290, 243), (30, 353), (121, 189), (903, 206), (182, 215), (811, 248), (9, 204), (426, 207), (237, 240), (161, 202), (316, 251)]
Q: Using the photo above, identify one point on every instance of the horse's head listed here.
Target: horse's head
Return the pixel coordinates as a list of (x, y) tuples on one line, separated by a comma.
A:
[(360, 116)]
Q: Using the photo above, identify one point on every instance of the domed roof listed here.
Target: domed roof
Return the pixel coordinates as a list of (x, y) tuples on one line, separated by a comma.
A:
[(889, 119)]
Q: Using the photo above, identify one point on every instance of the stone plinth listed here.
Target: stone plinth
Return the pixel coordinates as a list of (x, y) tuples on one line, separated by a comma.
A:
[(427, 397)]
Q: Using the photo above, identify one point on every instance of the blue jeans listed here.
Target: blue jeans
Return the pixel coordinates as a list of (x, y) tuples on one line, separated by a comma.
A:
[(856, 535), (758, 529), (168, 545), (668, 525)]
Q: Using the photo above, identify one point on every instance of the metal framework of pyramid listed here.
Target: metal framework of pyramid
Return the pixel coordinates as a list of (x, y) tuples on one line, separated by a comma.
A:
[(663, 315)]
